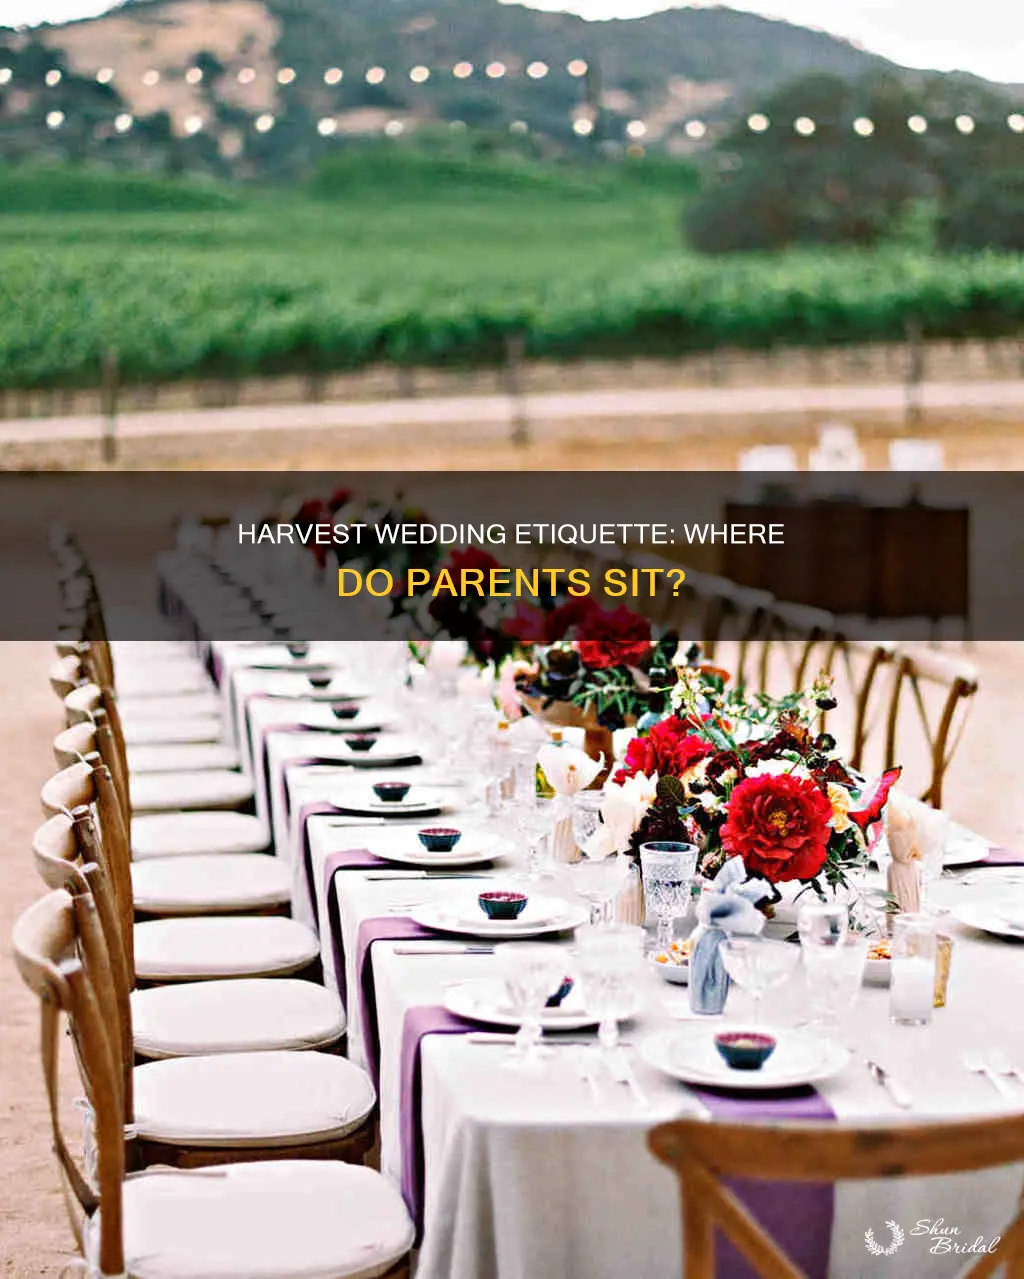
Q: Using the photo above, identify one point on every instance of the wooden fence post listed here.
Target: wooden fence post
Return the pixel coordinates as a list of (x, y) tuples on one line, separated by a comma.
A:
[(515, 350), (110, 392)]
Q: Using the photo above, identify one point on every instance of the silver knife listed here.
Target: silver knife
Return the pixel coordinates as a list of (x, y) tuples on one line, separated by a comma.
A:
[(892, 1086)]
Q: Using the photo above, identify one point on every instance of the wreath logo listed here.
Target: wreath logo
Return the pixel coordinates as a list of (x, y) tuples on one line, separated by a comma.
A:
[(876, 1248)]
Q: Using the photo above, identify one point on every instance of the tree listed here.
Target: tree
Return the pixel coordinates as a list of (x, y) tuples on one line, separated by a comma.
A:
[(986, 212)]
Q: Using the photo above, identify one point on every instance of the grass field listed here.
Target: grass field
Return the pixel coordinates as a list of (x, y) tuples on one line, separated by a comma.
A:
[(429, 262)]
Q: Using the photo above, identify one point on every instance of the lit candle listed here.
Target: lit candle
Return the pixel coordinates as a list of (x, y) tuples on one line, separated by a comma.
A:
[(913, 990)]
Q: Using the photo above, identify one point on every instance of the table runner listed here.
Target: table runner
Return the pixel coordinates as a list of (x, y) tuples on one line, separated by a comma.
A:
[(343, 859), (797, 1215), (380, 928), (425, 1019), (302, 854)]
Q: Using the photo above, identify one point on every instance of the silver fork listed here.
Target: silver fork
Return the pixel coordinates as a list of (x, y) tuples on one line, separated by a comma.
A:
[(976, 1064), (622, 1073), (588, 1064), (1002, 1065)]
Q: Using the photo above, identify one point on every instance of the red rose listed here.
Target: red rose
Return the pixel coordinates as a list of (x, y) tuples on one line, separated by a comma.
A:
[(669, 750), (620, 638), (532, 625), (779, 825)]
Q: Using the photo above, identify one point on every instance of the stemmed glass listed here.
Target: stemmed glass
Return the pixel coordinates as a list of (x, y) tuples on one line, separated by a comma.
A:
[(823, 924), (668, 868), (758, 965), (610, 965), (594, 877), (532, 972), (534, 818), (835, 975)]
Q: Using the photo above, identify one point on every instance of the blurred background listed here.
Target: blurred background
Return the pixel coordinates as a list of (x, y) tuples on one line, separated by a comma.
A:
[(464, 233)]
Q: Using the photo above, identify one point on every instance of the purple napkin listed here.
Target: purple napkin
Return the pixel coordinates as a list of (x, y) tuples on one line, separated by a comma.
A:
[(380, 928), (1001, 857), (798, 1216), (315, 808), (343, 859), (426, 1019)]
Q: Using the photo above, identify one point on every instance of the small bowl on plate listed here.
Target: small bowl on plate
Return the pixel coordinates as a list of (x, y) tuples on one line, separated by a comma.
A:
[(344, 710), (391, 792), (362, 742), (744, 1049), (320, 682), (502, 905), (298, 651), (439, 839), (561, 994)]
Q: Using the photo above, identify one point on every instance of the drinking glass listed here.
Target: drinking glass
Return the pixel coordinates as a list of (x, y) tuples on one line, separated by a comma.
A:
[(933, 836), (912, 985), (835, 975), (610, 967), (668, 868), (532, 972), (823, 924), (757, 965), (534, 818), (593, 878)]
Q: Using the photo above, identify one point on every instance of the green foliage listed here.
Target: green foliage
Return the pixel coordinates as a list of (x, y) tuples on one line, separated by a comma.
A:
[(211, 280), (987, 213)]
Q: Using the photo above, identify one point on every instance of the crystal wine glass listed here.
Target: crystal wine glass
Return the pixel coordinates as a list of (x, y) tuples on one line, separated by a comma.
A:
[(593, 877), (758, 965), (834, 978), (533, 972), (610, 966), (823, 924), (668, 868)]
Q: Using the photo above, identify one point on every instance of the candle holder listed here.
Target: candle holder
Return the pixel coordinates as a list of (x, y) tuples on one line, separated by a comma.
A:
[(912, 989)]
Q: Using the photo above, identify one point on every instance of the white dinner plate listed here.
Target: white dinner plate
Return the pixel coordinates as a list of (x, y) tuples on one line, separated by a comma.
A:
[(988, 917), (676, 974), (487, 1001), (473, 848), (360, 800), (386, 752), (538, 918), (689, 1054), (964, 847)]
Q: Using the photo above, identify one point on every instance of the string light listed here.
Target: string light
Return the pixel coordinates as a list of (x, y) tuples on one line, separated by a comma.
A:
[(1015, 122), (193, 125), (863, 127), (495, 70), (695, 129), (264, 123), (151, 78), (457, 126), (6, 75), (55, 119), (286, 75), (123, 122), (635, 129), (583, 127), (333, 75), (419, 75), (104, 75), (577, 67), (758, 122), (194, 75), (519, 126), (53, 78), (327, 127), (462, 70), (537, 70), (917, 124), (964, 124), (375, 75), (247, 75), (804, 125), (394, 129)]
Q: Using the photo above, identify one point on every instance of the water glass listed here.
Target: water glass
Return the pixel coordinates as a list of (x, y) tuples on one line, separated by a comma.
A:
[(534, 819), (835, 975), (532, 972), (668, 870), (912, 988), (594, 878), (758, 965), (823, 924), (610, 968)]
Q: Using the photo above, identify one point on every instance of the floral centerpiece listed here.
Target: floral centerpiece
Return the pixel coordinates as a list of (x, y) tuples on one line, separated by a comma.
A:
[(746, 778)]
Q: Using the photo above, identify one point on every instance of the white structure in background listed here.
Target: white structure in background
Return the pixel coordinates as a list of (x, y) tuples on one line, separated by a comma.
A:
[(768, 457), (838, 448), (916, 455)]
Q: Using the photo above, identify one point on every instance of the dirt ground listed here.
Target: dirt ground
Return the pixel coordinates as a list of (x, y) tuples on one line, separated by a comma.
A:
[(983, 790)]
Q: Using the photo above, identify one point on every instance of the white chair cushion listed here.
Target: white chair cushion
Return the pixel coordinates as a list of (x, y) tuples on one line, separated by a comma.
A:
[(191, 834), (137, 685), (144, 731), (248, 1014), (179, 758), (222, 946), (210, 885), (251, 1099), (133, 653), (136, 709), (283, 1219), (166, 792)]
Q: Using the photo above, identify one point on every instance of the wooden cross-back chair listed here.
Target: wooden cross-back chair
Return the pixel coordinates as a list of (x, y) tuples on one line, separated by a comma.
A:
[(794, 639), (184, 1222), (932, 692), (701, 1154), (857, 668)]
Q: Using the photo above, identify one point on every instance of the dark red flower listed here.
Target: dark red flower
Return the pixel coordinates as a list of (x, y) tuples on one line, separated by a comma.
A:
[(669, 749), (471, 558), (533, 625), (619, 638), (873, 800), (779, 825)]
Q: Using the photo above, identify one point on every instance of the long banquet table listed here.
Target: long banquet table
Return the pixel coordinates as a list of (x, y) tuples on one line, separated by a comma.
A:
[(528, 1177)]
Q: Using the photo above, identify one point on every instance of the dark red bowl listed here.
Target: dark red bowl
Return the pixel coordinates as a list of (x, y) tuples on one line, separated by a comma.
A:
[(362, 741), (561, 993), (320, 682), (744, 1049), (502, 905), (391, 792), (344, 710), (439, 839)]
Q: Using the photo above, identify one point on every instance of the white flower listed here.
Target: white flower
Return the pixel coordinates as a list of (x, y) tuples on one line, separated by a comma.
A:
[(624, 807), (446, 656), (567, 769), (776, 768)]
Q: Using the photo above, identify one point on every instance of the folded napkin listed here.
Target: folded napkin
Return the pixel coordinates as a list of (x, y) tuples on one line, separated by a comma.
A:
[(1000, 857), (797, 1215), (380, 928), (568, 771), (343, 859), (428, 1019)]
